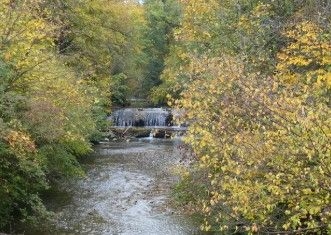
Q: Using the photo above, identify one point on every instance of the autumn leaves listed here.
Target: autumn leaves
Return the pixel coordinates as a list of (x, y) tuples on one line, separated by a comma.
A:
[(259, 111), (55, 63)]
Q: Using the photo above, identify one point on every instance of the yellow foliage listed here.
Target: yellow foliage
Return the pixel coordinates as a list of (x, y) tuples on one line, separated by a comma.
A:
[(20, 143), (262, 139), (307, 57), (197, 15), (260, 150)]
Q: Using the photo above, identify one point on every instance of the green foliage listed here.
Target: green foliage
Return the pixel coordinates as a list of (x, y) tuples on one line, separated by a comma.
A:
[(162, 17), (191, 188), (61, 161), (120, 95), (102, 38), (22, 177), (56, 60)]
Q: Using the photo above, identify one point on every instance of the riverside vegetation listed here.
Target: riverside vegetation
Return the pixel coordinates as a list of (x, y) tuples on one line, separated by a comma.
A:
[(59, 63), (252, 76), (254, 79), (63, 64)]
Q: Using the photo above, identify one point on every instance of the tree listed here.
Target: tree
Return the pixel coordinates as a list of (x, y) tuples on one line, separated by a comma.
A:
[(162, 17), (258, 109), (53, 91)]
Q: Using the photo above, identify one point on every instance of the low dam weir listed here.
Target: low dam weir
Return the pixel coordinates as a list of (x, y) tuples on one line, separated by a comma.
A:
[(157, 122), (142, 117)]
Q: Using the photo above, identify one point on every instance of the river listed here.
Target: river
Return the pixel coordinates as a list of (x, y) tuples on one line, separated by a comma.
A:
[(126, 191)]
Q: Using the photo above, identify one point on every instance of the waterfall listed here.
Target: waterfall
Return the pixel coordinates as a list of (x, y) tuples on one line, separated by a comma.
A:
[(148, 117)]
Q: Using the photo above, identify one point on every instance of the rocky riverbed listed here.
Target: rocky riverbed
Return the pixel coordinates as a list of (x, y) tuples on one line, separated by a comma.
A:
[(126, 191)]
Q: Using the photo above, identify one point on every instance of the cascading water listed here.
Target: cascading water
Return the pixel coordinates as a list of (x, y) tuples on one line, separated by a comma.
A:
[(151, 122), (147, 117)]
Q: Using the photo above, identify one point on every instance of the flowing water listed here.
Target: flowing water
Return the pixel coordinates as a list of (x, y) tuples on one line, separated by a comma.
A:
[(147, 117), (126, 191), (142, 117)]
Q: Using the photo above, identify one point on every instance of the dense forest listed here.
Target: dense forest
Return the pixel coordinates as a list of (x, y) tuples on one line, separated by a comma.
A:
[(61, 62), (63, 65), (253, 78)]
